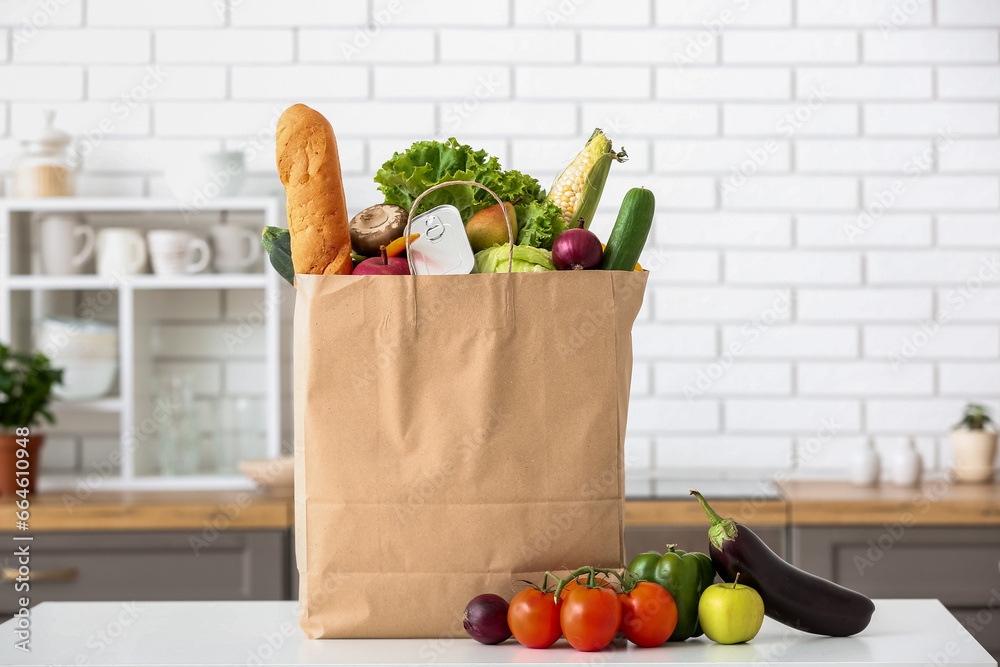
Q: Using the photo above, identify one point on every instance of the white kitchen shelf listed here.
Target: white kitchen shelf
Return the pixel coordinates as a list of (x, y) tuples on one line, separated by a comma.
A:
[(131, 204), (20, 290), (111, 404), (55, 483), (141, 282)]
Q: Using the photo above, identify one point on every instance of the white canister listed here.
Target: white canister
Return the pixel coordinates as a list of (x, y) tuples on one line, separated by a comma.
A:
[(907, 467), (865, 465), (65, 243), (45, 168)]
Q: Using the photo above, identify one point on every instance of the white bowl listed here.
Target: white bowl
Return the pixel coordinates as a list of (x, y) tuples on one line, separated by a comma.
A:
[(201, 178), (275, 474), (82, 348), (85, 379), (70, 338)]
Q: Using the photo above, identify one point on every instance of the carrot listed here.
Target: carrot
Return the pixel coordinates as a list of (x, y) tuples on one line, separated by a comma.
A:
[(396, 247)]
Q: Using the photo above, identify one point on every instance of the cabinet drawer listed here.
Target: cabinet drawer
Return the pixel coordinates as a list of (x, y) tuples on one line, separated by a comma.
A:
[(982, 624), (236, 565), (955, 565)]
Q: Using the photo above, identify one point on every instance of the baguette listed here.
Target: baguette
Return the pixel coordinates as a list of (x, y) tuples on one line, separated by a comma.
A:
[(309, 168)]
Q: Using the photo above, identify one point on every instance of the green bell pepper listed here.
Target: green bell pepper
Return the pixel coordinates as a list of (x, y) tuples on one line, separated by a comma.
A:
[(685, 576)]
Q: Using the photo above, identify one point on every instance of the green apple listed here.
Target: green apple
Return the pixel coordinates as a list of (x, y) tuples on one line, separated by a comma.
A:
[(730, 613)]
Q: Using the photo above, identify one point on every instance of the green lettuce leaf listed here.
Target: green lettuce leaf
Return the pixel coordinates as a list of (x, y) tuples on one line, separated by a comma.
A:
[(536, 221), (526, 259), (406, 175)]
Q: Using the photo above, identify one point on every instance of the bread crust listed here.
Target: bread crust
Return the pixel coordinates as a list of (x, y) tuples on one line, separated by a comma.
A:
[(309, 168)]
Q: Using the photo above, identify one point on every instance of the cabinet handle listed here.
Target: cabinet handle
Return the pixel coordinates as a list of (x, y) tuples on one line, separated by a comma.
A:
[(9, 574)]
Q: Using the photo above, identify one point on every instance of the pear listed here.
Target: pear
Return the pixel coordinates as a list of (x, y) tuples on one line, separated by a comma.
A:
[(488, 227)]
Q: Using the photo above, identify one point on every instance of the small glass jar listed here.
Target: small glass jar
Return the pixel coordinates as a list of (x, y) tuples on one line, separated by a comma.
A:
[(44, 168)]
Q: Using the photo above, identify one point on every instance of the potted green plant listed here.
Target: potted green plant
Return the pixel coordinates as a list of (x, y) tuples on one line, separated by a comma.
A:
[(974, 446), (26, 382)]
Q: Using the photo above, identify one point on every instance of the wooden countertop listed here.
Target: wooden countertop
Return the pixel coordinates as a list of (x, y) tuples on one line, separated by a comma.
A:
[(833, 503), (187, 510), (153, 510), (934, 503)]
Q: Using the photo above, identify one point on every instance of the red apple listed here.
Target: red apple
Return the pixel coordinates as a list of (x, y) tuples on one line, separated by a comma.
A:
[(382, 266)]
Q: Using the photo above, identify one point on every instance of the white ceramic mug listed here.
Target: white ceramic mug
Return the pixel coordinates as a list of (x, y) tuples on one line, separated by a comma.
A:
[(236, 248), (174, 252), (59, 237), (120, 251)]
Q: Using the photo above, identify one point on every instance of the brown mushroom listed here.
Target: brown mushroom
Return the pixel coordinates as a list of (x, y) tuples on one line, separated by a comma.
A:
[(376, 226)]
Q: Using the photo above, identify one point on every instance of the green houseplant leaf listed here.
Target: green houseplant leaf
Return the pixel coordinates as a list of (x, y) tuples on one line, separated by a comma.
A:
[(975, 418), (26, 382)]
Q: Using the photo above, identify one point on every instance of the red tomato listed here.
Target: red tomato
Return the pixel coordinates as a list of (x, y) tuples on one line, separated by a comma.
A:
[(590, 617), (533, 617), (649, 614)]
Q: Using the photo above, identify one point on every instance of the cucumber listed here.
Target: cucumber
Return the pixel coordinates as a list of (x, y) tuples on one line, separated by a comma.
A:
[(635, 217), (278, 244)]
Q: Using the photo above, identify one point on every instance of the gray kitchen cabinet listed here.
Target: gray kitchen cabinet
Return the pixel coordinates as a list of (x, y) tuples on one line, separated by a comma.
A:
[(153, 565), (960, 566), (689, 538), (293, 569)]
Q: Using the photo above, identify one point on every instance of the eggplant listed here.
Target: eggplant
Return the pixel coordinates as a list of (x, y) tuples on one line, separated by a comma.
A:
[(791, 596)]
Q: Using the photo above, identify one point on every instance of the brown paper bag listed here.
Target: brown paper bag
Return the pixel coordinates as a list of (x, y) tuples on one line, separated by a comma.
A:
[(454, 434)]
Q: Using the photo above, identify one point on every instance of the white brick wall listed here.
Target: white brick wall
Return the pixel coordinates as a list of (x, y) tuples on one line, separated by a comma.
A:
[(790, 47), (870, 83), (827, 174), (861, 13)]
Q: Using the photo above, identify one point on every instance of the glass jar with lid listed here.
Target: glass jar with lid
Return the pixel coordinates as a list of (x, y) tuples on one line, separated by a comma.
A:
[(44, 168)]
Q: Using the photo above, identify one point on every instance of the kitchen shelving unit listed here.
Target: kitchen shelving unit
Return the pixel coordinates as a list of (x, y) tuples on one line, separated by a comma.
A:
[(18, 283)]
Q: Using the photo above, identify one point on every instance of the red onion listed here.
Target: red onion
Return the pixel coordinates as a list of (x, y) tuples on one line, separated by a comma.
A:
[(577, 248), (485, 619)]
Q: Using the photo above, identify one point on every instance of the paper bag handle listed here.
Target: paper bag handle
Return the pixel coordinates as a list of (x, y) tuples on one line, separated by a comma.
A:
[(416, 203)]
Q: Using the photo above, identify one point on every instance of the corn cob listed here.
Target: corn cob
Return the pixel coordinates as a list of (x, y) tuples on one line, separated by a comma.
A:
[(577, 190)]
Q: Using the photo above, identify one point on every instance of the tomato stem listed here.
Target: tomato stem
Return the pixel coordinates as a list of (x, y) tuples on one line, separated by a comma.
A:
[(591, 573), (541, 588), (622, 580), (628, 582)]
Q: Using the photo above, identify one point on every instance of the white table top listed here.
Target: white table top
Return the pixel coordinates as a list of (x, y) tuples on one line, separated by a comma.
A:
[(902, 632)]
